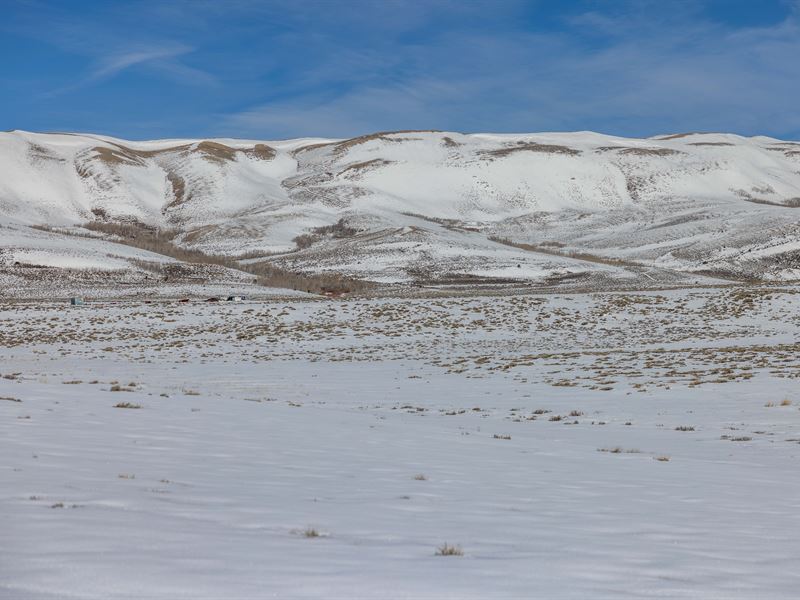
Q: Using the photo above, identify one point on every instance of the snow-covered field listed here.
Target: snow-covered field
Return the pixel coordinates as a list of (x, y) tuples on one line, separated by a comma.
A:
[(572, 446)]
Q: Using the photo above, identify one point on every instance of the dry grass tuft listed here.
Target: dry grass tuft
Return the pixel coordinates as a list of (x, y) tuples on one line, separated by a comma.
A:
[(448, 550), (619, 450), (127, 405)]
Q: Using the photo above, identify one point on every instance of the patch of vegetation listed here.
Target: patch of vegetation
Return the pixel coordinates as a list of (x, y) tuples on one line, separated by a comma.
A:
[(338, 230), (127, 405), (162, 241), (119, 388), (448, 550), (619, 450), (530, 147)]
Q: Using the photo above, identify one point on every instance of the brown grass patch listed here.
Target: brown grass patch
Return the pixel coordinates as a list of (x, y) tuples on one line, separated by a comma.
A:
[(650, 151), (178, 189), (531, 147), (301, 149), (162, 242), (550, 248), (711, 144), (216, 152), (338, 230), (450, 142), (676, 136), (360, 167), (342, 147), (260, 152)]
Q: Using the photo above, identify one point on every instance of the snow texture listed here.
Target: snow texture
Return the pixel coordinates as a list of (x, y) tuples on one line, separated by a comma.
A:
[(572, 446)]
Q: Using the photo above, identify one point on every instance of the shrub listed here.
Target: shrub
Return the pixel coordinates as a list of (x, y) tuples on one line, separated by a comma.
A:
[(448, 550)]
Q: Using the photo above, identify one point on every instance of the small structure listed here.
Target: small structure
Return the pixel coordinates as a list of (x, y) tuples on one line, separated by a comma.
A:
[(75, 301), (236, 298)]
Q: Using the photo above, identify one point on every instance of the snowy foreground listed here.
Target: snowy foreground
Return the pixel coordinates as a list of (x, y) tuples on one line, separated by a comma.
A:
[(584, 446)]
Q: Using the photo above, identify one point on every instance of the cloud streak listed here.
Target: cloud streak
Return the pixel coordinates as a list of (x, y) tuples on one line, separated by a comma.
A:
[(629, 75), (280, 68), (108, 67), (162, 60)]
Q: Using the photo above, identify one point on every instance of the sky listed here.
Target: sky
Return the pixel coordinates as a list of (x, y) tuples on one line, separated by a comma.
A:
[(273, 69)]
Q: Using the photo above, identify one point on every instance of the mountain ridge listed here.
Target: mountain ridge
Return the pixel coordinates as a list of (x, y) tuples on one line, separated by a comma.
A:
[(420, 206)]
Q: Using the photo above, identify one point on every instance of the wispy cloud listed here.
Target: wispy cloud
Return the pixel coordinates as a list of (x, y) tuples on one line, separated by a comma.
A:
[(280, 68), (112, 39), (627, 74), (110, 66), (154, 58)]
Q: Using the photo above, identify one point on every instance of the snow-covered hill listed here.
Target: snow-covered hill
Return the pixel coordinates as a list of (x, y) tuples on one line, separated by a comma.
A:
[(418, 205)]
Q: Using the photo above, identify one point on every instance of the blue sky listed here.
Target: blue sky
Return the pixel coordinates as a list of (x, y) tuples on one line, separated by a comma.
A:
[(287, 68)]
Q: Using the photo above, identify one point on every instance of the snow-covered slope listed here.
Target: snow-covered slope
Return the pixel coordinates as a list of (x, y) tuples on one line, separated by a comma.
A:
[(428, 205)]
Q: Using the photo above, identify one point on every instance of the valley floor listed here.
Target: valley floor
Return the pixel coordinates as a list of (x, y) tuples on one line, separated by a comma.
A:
[(609, 445)]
